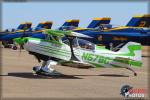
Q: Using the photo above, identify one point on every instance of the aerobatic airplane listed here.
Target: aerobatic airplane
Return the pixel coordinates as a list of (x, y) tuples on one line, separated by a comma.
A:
[(68, 46)]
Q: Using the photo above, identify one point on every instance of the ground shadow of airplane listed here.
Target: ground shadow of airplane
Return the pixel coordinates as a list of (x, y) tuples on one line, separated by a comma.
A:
[(62, 76), (32, 76), (146, 56)]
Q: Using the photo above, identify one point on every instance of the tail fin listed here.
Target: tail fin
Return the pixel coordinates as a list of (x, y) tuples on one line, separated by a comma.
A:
[(133, 50), (97, 21), (45, 25), (140, 21), (24, 26), (73, 22)]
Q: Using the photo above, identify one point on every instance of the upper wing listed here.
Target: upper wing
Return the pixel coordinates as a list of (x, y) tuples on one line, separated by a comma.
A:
[(65, 33)]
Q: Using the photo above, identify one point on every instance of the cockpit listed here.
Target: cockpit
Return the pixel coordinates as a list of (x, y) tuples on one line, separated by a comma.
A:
[(76, 43), (81, 43)]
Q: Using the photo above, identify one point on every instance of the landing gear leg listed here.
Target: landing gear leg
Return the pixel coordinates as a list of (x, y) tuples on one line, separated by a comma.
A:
[(46, 69)]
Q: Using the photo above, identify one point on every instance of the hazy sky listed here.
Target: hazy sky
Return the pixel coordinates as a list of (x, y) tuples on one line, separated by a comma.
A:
[(58, 12)]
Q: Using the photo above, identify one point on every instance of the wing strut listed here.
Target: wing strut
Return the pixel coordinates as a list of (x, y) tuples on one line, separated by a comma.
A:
[(73, 57)]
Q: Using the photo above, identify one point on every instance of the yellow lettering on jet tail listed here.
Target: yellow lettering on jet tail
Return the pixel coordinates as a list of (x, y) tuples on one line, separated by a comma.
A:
[(142, 23), (120, 38)]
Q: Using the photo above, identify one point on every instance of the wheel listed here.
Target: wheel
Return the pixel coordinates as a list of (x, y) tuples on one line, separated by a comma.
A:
[(14, 47), (36, 68)]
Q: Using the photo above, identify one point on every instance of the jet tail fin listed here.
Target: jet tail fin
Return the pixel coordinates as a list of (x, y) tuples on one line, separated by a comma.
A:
[(24, 26), (97, 21), (133, 50), (73, 22), (140, 21), (44, 25)]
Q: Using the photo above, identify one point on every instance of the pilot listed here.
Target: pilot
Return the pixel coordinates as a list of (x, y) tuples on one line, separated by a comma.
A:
[(56, 38), (87, 46)]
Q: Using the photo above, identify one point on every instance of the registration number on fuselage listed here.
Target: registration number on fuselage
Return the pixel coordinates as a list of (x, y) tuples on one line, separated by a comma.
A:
[(95, 58)]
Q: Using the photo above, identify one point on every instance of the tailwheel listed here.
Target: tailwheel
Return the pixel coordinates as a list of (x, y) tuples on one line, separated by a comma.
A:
[(135, 74)]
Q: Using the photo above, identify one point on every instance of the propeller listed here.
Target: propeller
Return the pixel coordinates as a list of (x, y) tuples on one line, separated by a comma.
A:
[(20, 41), (24, 34)]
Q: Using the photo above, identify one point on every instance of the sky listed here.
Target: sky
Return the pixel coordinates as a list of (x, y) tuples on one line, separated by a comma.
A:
[(58, 12)]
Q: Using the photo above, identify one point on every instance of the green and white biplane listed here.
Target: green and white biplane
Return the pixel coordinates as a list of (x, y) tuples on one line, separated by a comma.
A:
[(60, 46)]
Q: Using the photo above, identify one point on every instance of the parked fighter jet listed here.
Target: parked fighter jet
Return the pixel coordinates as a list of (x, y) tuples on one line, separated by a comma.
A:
[(67, 25), (20, 28), (35, 32), (73, 25), (23, 30), (136, 30), (73, 49)]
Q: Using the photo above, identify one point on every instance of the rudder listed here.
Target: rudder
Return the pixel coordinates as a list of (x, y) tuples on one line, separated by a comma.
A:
[(133, 50)]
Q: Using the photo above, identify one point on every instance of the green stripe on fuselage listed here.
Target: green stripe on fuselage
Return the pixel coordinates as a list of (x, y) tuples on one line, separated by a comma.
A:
[(105, 60), (58, 50), (52, 52)]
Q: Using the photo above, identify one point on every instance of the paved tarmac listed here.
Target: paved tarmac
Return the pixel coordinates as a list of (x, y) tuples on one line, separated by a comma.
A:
[(19, 82)]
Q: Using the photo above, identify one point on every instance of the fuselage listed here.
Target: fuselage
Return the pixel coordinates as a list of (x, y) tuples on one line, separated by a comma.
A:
[(96, 56)]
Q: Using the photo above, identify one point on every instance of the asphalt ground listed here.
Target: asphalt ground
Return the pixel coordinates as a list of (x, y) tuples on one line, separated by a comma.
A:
[(99, 83)]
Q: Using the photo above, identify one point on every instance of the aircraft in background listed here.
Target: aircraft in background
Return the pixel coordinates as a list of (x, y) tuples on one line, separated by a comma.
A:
[(113, 38), (140, 21), (74, 49), (24, 29), (103, 33), (67, 25), (73, 25), (21, 27), (7, 40), (96, 22)]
